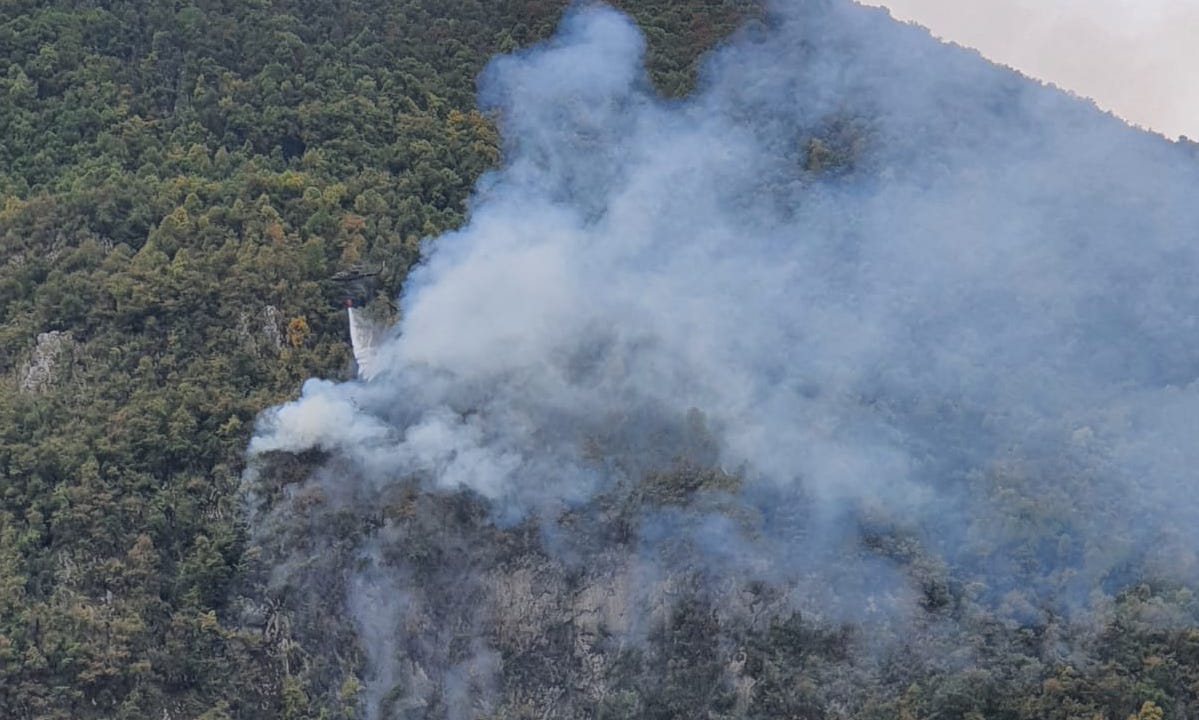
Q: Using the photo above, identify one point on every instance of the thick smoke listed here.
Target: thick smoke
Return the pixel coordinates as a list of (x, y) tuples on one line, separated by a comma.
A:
[(877, 286)]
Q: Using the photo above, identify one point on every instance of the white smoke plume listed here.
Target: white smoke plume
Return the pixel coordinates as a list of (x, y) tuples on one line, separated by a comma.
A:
[(889, 283)]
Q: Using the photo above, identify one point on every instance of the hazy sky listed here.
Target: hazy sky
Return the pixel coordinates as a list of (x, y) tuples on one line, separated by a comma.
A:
[(1137, 58)]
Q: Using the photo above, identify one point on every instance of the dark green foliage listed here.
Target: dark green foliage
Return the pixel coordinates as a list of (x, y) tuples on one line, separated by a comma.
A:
[(177, 182)]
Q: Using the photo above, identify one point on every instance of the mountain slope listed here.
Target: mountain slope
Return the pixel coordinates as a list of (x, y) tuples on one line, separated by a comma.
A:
[(856, 383), (178, 181)]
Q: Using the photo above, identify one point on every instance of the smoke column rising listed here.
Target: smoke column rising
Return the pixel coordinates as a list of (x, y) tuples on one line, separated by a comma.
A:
[(896, 286)]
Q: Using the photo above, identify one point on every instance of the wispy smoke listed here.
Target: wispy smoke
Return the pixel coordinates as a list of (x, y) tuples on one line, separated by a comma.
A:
[(1132, 56), (878, 286)]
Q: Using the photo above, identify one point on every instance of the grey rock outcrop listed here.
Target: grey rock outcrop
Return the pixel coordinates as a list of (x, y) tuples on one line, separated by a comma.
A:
[(53, 352)]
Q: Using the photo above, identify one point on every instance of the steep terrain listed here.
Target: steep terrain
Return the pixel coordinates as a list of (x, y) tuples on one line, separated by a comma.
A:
[(178, 181), (855, 383)]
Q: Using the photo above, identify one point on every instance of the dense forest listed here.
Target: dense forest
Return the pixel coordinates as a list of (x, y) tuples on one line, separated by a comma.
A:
[(178, 182)]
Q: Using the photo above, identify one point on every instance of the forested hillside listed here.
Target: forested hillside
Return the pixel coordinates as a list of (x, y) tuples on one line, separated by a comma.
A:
[(177, 182)]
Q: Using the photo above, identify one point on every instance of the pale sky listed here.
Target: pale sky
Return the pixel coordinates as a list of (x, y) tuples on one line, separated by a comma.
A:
[(1136, 58)]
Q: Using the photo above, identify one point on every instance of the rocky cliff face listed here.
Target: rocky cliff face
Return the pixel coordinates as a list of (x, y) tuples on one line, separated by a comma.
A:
[(623, 608), (50, 358), (573, 616)]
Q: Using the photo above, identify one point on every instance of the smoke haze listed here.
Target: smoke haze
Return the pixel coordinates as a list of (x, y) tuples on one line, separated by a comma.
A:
[(869, 283), (1134, 57)]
